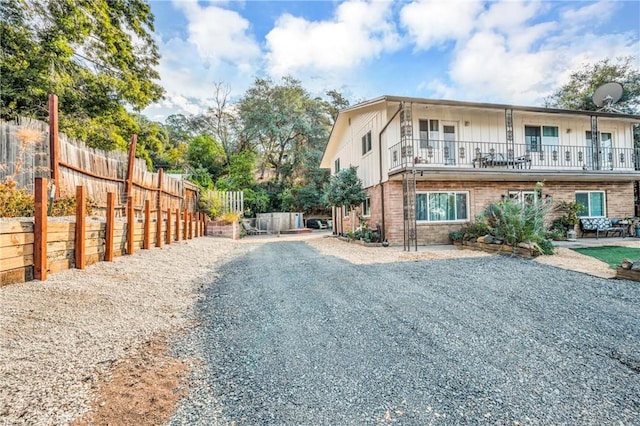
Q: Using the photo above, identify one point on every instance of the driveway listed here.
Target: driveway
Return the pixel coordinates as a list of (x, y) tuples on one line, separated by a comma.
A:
[(288, 336)]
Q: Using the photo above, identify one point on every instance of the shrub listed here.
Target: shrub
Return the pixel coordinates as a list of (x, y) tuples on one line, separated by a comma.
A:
[(457, 235), (15, 202)]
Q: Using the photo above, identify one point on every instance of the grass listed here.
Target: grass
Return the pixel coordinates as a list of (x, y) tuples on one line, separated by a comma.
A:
[(611, 255)]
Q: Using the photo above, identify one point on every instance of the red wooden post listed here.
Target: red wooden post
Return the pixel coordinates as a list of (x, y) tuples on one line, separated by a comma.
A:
[(186, 225), (130, 224), (40, 230), (81, 217), (169, 236), (147, 224), (111, 221), (159, 239), (54, 143), (132, 157), (178, 225), (190, 226), (196, 230)]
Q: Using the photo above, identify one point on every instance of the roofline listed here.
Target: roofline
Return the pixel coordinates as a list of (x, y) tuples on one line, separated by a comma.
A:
[(390, 98)]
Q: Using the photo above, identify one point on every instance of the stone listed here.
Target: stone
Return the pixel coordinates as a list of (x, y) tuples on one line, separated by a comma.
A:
[(636, 266), (626, 264), (488, 239)]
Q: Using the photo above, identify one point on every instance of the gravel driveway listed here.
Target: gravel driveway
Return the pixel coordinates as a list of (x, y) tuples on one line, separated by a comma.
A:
[(292, 337)]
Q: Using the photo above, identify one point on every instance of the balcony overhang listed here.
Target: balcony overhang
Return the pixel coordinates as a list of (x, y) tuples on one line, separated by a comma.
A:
[(512, 175)]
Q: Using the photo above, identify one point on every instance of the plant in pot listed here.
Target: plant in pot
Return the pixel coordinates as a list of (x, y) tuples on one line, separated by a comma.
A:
[(570, 218)]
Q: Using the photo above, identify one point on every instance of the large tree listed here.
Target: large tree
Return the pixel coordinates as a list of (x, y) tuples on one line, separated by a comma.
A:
[(98, 56), (577, 92)]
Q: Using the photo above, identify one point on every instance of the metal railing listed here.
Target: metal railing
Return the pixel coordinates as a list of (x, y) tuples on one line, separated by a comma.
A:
[(441, 153)]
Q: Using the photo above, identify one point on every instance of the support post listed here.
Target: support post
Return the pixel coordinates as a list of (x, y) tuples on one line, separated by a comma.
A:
[(130, 224), (186, 225), (54, 143), (196, 225), (169, 236), (132, 157), (159, 239), (81, 217), (190, 226), (178, 225), (111, 221), (147, 225), (40, 230)]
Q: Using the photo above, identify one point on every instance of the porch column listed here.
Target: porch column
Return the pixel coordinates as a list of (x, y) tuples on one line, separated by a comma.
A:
[(595, 143), (508, 122)]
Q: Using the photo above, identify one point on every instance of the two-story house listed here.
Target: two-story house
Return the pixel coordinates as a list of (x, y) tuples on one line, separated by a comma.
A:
[(430, 166)]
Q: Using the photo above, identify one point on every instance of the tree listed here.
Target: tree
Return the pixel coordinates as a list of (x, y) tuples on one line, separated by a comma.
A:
[(206, 154), (576, 93), (98, 56), (345, 189)]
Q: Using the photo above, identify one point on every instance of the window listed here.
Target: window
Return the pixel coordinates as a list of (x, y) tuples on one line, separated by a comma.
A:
[(345, 211), (366, 207), (442, 206), (336, 166), (528, 198), (594, 202), (538, 137), (424, 133), (366, 143)]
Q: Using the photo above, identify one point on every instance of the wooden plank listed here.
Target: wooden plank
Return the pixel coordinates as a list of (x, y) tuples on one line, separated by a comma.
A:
[(14, 251), (111, 218), (9, 240), (60, 265), (39, 258), (16, 227), (16, 262), (168, 226), (61, 226), (131, 165), (147, 224), (60, 245), (81, 216), (18, 275)]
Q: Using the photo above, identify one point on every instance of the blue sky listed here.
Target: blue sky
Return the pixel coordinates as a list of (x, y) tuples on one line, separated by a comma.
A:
[(515, 52)]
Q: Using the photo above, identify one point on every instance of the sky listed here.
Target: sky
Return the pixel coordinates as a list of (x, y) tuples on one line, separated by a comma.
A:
[(512, 52)]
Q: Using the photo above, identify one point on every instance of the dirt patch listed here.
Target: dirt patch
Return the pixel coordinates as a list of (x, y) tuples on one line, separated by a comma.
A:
[(141, 390)]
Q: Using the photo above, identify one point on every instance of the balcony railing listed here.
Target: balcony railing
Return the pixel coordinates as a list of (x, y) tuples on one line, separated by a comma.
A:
[(483, 155)]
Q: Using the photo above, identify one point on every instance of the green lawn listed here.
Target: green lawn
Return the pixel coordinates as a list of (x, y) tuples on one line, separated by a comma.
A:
[(612, 255)]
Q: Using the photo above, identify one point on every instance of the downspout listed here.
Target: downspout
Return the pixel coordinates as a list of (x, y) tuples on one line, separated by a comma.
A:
[(382, 231)]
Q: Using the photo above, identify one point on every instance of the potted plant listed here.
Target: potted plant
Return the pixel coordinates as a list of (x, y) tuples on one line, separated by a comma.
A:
[(570, 218)]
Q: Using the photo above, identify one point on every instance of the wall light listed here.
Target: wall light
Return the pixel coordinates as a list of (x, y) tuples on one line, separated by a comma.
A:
[(466, 124), (568, 130)]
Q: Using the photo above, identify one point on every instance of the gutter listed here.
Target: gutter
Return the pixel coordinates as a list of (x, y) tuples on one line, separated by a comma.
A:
[(382, 232)]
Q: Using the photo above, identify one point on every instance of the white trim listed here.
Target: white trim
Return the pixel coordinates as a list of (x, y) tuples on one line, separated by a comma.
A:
[(589, 192), (427, 221)]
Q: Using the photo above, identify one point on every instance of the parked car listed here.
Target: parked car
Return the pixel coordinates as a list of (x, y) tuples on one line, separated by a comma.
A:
[(316, 224)]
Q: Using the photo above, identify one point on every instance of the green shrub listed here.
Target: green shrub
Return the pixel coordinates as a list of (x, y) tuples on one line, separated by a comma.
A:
[(15, 202)]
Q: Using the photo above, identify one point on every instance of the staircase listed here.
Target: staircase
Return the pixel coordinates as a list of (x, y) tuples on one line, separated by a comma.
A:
[(409, 203)]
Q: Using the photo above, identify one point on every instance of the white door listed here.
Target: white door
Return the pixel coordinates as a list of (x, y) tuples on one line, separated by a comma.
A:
[(449, 137)]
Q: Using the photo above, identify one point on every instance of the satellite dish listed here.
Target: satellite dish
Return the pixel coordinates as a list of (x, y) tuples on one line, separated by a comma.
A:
[(607, 95)]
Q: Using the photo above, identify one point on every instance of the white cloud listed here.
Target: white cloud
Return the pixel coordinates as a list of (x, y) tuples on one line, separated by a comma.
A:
[(220, 35), (360, 30), (431, 23)]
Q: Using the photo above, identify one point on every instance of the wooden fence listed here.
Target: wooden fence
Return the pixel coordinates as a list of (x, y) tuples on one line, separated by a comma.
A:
[(229, 201), (32, 249), (30, 149)]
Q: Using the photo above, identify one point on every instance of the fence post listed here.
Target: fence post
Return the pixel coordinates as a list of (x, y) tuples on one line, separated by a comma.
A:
[(159, 239), (81, 216), (111, 219), (177, 224), (196, 225), (132, 157), (130, 224), (186, 226), (147, 224), (169, 236), (190, 225), (40, 230), (54, 143)]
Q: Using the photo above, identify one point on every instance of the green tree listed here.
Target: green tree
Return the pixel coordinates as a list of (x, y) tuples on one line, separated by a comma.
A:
[(345, 189), (205, 153), (576, 93), (98, 56)]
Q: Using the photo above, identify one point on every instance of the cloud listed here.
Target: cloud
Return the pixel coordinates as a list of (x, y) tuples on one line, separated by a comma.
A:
[(359, 30), (431, 23), (220, 35)]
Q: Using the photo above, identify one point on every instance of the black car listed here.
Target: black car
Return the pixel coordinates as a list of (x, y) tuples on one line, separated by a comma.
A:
[(316, 224)]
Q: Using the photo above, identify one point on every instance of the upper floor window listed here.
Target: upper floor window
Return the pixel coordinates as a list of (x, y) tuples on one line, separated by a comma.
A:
[(336, 166), (366, 143), (594, 202), (536, 137), (442, 206)]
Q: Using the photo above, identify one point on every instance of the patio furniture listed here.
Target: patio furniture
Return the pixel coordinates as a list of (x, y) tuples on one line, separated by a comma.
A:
[(601, 226)]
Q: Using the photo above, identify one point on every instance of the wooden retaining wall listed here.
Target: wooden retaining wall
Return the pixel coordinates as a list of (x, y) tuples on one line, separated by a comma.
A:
[(26, 254)]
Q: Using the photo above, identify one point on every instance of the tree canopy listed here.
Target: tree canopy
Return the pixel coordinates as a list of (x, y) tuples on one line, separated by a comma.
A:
[(345, 189)]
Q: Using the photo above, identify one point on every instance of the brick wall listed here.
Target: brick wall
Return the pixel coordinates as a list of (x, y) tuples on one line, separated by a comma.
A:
[(619, 197)]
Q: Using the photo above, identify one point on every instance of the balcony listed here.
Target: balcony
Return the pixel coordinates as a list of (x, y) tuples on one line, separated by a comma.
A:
[(493, 156)]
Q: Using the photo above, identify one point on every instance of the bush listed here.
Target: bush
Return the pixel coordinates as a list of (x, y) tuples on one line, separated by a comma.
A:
[(15, 202)]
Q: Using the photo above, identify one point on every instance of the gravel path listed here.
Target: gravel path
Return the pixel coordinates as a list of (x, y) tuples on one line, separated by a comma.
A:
[(291, 336)]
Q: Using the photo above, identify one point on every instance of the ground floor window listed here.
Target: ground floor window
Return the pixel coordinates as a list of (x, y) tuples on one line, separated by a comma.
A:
[(526, 198), (594, 202), (442, 206), (366, 207)]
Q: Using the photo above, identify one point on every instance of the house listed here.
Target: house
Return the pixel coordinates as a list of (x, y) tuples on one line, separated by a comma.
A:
[(430, 166)]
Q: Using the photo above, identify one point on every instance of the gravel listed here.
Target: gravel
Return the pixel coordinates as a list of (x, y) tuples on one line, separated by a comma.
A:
[(290, 336)]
